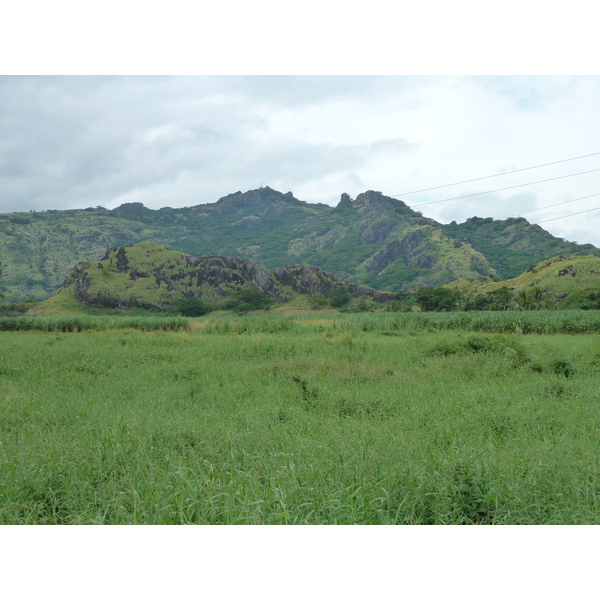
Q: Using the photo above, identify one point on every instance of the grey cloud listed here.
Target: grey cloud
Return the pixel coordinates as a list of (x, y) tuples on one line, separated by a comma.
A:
[(531, 93), (394, 146), (76, 141), (92, 137), (295, 161), (487, 205), (302, 90), (581, 228)]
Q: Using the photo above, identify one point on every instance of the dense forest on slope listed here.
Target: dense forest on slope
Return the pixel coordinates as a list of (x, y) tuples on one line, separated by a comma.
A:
[(373, 240)]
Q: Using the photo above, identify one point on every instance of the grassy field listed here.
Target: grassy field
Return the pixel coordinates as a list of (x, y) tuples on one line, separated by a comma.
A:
[(323, 420)]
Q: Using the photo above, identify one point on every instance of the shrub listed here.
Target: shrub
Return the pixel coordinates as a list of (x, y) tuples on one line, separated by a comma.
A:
[(562, 367), (436, 299), (248, 298), (586, 299), (316, 300), (192, 307), (473, 345), (340, 296)]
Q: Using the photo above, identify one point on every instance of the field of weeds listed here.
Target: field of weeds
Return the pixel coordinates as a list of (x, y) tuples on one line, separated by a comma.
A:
[(544, 322), (367, 419)]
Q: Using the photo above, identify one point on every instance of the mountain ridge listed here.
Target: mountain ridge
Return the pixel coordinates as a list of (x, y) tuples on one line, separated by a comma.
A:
[(372, 240)]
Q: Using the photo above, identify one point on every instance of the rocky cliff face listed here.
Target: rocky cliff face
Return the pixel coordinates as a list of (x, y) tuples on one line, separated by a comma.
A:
[(152, 276), (313, 280)]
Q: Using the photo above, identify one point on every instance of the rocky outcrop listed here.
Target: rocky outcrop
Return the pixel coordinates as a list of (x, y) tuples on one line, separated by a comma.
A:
[(153, 276), (345, 201), (223, 272), (262, 197), (383, 257), (313, 280), (307, 280), (165, 275)]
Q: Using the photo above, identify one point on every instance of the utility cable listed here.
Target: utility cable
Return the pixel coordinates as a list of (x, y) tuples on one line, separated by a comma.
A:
[(437, 187), (512, 187), (565, 216), (549, 206)]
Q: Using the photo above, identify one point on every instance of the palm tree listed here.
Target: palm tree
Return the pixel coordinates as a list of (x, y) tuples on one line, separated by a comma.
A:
[(534, 299), (539, 298), (501, 299), (523, 300)]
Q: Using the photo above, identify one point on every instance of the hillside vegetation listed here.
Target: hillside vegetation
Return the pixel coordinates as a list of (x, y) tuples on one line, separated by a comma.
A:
[(514, 245), (151, 276), (559, 282), (373, 240)]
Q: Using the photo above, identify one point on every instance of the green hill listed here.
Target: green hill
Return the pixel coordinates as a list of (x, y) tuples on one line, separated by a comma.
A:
[(559, 282), (373, 240), (152, 276), (513, 245)]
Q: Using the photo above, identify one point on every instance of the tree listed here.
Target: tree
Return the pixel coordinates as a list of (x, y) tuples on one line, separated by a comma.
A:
[(480, 302), (395, 306), (248, 298), (316, 300), (523, 300), (192, 307), (364, 305), (340, 296), (539, 298), (534, 299), (584, 298), (1, 295), (501, 299), (437, 299)]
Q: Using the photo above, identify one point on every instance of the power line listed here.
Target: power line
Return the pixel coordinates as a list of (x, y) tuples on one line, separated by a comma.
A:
[(512, 187), (549, 206), (437, 187), (565, 216)]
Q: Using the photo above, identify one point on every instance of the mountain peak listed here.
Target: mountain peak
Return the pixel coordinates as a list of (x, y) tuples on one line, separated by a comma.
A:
[(345, 200), (131, 207), (260, 196)]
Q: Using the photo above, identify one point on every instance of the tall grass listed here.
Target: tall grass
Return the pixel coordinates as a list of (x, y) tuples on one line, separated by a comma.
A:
[(326, 426), (92, 323), (543, 322)]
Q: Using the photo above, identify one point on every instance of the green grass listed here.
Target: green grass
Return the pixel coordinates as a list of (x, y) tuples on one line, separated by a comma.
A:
[(542, 322), (80, 323), (332, 420)]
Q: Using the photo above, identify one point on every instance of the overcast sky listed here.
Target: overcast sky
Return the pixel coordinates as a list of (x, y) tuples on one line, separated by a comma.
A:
[(74, 142)]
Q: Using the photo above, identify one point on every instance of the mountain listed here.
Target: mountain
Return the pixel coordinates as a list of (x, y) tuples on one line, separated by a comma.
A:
[(513, 245), (152, 276), (373, 240)]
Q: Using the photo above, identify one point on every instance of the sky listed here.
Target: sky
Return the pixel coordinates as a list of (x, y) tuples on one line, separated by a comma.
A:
[(77, 141)]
